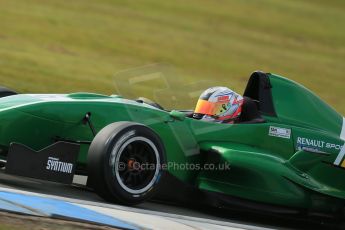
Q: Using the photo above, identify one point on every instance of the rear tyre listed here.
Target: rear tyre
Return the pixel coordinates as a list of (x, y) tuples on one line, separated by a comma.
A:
[(124, 162), (4, 92)]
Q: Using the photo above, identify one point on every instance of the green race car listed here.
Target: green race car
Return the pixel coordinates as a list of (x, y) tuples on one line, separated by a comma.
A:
[(285, 155)]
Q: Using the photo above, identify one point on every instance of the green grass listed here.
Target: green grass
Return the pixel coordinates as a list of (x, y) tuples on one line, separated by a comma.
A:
[(79, 45)]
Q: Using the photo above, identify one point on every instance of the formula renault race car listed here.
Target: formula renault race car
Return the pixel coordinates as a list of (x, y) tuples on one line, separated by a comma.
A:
[(286, 153)]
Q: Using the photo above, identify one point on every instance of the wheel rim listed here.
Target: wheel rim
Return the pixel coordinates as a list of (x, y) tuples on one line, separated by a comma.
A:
[(136, 165)]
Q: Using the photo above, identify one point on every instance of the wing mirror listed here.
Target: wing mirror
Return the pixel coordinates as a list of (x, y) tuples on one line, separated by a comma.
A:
[(177, 115)]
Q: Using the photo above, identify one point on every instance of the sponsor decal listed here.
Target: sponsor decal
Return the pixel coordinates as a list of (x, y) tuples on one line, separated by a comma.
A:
[(279, 132), (54, 164), (312, 150), (303, 142), (223, 99), (316, 146)]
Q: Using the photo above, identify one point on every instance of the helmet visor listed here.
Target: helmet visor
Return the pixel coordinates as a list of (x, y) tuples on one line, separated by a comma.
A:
[(208, 108)]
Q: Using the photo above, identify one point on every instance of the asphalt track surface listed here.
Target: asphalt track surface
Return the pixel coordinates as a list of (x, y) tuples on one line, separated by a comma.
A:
[(80, 193)]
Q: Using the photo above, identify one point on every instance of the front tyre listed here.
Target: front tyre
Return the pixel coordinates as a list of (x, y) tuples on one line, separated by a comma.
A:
[(124, 163)]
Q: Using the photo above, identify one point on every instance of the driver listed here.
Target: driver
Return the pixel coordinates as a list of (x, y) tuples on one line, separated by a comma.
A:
[(219, 104)]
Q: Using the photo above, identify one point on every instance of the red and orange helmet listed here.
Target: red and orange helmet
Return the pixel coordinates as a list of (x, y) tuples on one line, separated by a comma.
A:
[(219, 104)]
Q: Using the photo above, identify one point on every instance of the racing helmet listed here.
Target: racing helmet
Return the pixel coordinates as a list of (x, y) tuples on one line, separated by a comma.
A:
[(219, 104)]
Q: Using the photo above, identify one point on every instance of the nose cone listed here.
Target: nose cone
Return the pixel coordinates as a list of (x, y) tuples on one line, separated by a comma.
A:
[(15, 101)]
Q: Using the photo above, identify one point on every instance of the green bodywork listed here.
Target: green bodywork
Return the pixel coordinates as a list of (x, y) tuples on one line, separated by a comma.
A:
[(294, 159)]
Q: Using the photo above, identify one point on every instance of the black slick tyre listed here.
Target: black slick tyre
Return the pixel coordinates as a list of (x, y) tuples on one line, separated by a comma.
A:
[(124, 163)]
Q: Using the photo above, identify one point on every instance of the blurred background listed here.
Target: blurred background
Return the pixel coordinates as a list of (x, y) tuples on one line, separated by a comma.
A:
[(60, 46)]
